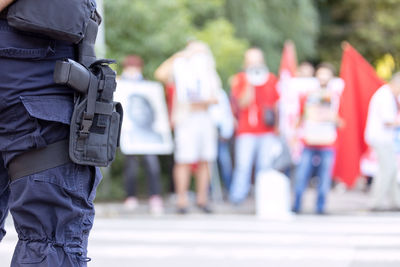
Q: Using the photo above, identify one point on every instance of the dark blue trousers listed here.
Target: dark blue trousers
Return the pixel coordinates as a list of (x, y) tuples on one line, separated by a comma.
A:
[(52, 210)]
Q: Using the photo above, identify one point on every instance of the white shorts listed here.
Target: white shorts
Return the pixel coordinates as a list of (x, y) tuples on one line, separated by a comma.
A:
[(196, 139)]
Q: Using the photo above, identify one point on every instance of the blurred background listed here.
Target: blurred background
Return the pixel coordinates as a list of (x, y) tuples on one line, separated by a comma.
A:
[(290, 168), (156, 29)]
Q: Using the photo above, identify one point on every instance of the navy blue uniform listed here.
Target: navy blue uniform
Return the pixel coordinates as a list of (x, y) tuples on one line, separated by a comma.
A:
[(52, 210)]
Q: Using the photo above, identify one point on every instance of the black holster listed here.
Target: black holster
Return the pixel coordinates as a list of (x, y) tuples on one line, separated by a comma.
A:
[(96, 120)]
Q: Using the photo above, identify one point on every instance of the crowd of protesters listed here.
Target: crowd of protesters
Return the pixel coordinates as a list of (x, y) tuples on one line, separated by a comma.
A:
[(237, 129)]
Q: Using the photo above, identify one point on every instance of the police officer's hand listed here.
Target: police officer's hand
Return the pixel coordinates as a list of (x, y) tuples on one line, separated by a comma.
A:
[(5, 3)]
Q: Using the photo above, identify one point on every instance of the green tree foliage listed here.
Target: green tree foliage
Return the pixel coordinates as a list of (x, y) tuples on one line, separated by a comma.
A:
[(370, 25), (153, 29), (156, 29), (202, 11), (268, 23), (228, 51)]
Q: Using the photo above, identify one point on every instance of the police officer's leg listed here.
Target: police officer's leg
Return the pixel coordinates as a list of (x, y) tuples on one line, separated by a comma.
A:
[(53, 209), (53, 214), (4, 195)]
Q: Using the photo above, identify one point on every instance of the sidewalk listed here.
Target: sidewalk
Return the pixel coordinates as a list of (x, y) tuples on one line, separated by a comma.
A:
[(340, 202)]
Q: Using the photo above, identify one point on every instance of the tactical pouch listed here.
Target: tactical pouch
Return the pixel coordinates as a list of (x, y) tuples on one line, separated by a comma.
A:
[(59, 19), (96, 120)]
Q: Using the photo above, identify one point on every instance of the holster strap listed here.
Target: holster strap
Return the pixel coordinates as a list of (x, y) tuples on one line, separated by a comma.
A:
[(38, 160)]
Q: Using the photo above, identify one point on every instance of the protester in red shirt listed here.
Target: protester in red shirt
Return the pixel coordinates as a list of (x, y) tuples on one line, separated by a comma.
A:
[(255, 97)]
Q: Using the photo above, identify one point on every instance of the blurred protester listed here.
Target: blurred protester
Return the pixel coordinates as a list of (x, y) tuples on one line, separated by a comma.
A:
[(224, 120), (319, 121), (197, 84), (305, 70), (290, 91), (383, 119), (164, 74), (132, 72), (368, 167), (255, 96)]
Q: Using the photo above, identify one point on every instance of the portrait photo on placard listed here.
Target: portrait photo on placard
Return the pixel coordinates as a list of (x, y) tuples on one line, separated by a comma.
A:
[(145, 127)]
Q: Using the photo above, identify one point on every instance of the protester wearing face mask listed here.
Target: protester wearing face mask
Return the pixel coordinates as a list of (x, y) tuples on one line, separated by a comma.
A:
[(254, 98)]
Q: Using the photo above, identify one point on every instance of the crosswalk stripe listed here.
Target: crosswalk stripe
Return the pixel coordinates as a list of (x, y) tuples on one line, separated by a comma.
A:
[(253, 253), (334, 238)]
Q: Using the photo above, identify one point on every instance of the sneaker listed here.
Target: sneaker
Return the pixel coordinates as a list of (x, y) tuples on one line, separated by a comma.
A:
[(379, 209), (295, 210), (182, 211), (131, 203), (205, 208), (156, 205), (321, 212)]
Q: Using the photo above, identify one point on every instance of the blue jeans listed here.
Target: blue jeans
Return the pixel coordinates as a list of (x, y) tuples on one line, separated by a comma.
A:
[(321, 162), (250, 149), (225, 163)]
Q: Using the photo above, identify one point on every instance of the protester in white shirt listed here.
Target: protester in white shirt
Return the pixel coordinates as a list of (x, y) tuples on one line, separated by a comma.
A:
[(379, 134), (196, 80)]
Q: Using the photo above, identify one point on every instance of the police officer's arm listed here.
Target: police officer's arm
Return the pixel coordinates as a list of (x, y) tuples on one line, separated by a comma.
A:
[(5, 3)]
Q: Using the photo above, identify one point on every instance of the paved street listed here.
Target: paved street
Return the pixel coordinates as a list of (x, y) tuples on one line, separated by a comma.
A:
[(352, 239)]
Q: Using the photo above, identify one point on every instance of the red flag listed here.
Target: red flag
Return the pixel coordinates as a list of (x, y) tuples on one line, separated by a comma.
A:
[(361, 82), (288, 60), (288, 110)]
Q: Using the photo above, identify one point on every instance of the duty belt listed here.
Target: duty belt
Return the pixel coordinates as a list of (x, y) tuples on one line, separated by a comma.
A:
[(38, 160)]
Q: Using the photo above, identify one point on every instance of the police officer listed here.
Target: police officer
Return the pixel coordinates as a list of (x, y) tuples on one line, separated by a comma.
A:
[(52, 209)]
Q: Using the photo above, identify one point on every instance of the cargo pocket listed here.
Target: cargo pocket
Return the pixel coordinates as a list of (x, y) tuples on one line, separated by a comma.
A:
[(67, 182), (48, 119), (49, 108)]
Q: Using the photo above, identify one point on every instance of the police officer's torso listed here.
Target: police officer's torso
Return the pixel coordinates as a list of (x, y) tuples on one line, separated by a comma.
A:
[(28, 94)]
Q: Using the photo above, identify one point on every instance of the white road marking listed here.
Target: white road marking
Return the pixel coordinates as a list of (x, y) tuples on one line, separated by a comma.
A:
[(336, 239)]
